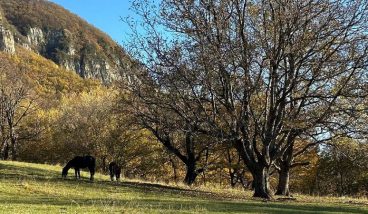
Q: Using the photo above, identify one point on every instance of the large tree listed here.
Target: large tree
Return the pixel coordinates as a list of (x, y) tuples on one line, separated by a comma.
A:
[(258, 73)]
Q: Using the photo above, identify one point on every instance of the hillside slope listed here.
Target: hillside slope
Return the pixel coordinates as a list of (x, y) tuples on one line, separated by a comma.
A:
[(37, 188), (49, 81), (58, 35)]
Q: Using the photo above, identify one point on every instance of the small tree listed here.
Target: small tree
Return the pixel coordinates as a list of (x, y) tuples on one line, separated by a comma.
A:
[(171, 121), (342, 168), (16, 103)]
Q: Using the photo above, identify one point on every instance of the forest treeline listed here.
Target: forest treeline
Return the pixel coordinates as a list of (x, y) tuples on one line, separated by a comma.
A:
[(269, 96)]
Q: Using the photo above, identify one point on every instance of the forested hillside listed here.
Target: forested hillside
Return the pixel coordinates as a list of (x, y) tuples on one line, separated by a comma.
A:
[(57, 114)]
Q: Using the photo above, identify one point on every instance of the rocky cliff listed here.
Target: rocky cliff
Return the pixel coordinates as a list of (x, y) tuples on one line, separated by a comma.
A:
[(6, 40), (6, 37), (62, 37)]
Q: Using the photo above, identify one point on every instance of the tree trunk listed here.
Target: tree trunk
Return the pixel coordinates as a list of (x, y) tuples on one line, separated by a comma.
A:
[(259, 171), (233, 178), (285, 164), (261, 183), (233, 169), (6, 151), (191, 173), (104, 164), (4, 144), (283, 185), (13, 147)]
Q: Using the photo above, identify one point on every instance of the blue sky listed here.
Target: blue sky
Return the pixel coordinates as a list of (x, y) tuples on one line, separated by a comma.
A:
[(103, 14)]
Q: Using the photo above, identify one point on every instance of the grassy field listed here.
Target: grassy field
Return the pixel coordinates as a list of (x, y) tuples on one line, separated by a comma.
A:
[(36, 188)]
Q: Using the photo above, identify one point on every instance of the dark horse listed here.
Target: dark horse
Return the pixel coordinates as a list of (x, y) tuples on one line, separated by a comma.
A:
[(115, 170), (79, 162)]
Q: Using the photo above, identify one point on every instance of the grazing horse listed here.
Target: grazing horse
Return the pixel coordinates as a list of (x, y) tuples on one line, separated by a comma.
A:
[(79, 162), (115, 170)]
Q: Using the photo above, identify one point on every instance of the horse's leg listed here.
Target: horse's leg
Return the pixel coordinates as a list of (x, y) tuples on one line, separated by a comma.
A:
[(92, 171), (112, 175), (76, 173), (118, 173), (112, 172)]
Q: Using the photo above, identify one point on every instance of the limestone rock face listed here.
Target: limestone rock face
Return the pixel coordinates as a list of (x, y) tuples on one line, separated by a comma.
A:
[(35, 36), (88, 61), (7, 43)]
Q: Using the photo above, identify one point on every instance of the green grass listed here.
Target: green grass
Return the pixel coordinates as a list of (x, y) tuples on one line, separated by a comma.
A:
[(36, 188)]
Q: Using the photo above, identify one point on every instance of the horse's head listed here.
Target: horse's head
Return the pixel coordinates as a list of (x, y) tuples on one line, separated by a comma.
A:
[(64, 173)]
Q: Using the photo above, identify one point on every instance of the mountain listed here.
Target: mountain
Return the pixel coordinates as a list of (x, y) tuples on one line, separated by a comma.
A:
[(56, 34)]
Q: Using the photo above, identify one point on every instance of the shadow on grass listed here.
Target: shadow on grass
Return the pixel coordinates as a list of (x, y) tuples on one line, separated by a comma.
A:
[(182, 206), (149, 187), (16, 172), (155, 196), (8, 171)]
